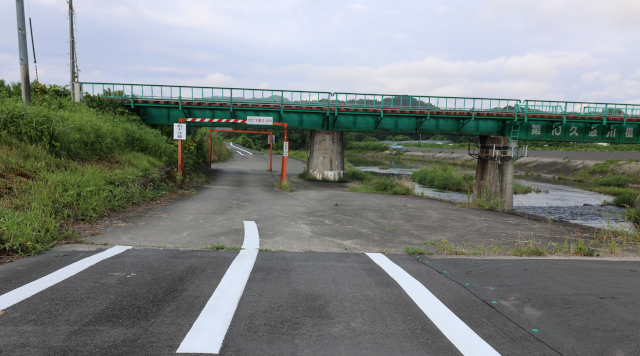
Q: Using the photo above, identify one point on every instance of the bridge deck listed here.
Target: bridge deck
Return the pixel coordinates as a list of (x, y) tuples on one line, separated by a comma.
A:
[(340, 109), (528, 119)]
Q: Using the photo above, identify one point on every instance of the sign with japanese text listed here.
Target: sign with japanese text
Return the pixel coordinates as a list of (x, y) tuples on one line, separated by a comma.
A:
[(259, 120), (580, 132), (179, 131), (285, 149)]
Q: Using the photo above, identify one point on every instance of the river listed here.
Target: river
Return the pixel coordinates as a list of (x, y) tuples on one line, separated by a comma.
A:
[(565, 200)]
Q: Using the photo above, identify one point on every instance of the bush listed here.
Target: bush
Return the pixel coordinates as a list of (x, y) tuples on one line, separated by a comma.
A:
[(62, 162), (383, 185), (615, 181), (627, 200), (521, 189), (352, 174), (245, 141), (41, 194), (75, 131), (444, 177), (633, 214)]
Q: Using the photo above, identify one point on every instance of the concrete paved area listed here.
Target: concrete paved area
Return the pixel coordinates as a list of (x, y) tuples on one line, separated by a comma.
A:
[(336, 301), (315, 216)]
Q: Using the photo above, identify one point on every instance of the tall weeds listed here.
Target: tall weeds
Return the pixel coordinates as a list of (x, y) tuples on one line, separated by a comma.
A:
[(62, 162)]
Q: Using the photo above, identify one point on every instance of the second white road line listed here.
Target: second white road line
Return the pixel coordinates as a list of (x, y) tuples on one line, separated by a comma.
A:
[(461, 335), (37, 286), (241, 154), (238, 148), (208, 332)]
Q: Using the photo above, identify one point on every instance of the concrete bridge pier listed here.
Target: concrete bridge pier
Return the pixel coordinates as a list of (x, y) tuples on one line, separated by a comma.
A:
[(326, 155), (494, 172)]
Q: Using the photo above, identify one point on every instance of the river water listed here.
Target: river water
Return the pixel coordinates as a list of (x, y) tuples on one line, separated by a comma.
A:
[(565, 200)]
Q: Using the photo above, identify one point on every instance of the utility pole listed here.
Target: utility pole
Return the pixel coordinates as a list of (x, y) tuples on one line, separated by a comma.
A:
[(24, 54), (72, 49)]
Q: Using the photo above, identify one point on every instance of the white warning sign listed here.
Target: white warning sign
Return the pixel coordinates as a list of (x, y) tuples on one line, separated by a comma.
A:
[(179, 131)]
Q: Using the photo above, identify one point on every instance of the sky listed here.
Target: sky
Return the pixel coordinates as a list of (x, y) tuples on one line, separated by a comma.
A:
[(576, 50)]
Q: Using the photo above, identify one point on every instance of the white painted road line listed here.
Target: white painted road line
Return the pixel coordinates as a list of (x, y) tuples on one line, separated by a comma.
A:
[(240, 153), (37, 286), (208, 332), (465, 339), (238, 148)]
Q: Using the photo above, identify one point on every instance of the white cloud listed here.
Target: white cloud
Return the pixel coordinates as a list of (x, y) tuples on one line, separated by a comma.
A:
[(616, 13), (551, 49), (599, 77), (210, 80), (617, 91), (531, 75)]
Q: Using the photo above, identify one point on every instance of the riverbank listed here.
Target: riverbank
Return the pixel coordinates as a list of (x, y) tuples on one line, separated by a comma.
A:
[(560, 164)]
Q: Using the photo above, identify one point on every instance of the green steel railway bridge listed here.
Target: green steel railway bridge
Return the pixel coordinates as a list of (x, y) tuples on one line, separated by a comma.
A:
[(309, 110), (498, 123)]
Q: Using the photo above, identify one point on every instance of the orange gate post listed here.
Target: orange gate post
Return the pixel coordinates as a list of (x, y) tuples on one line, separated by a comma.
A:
[(285, 153), (271, 152), (180, 158)]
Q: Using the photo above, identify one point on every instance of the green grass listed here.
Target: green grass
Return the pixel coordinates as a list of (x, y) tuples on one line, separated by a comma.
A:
[(444, 247), (614, 181), (596, 171), (285, 186), (521, 189), (615, 191), (351, 174), (41, 195), (412, 250), (633, 214), (297, 154), (528, 248), (354, 147), (603, 178), (630, 200), (383, 185), (444, 177), (63, 162)]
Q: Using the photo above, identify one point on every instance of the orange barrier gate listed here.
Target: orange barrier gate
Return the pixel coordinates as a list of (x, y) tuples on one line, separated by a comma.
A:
[(285, 143), (242, 131)]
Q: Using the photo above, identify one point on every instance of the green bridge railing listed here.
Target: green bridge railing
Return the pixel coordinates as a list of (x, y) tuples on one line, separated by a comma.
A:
[(572, 108), (213, 94), (443, 103)]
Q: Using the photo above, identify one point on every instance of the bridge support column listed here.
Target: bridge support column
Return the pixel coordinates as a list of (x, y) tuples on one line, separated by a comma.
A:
[(326, 155), (494, 172)]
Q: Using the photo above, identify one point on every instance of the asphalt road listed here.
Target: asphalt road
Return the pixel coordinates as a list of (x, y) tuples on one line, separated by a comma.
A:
[(346, 298)]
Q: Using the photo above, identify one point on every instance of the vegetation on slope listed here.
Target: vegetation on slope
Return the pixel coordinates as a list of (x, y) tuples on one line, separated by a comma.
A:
[(62, 162)]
